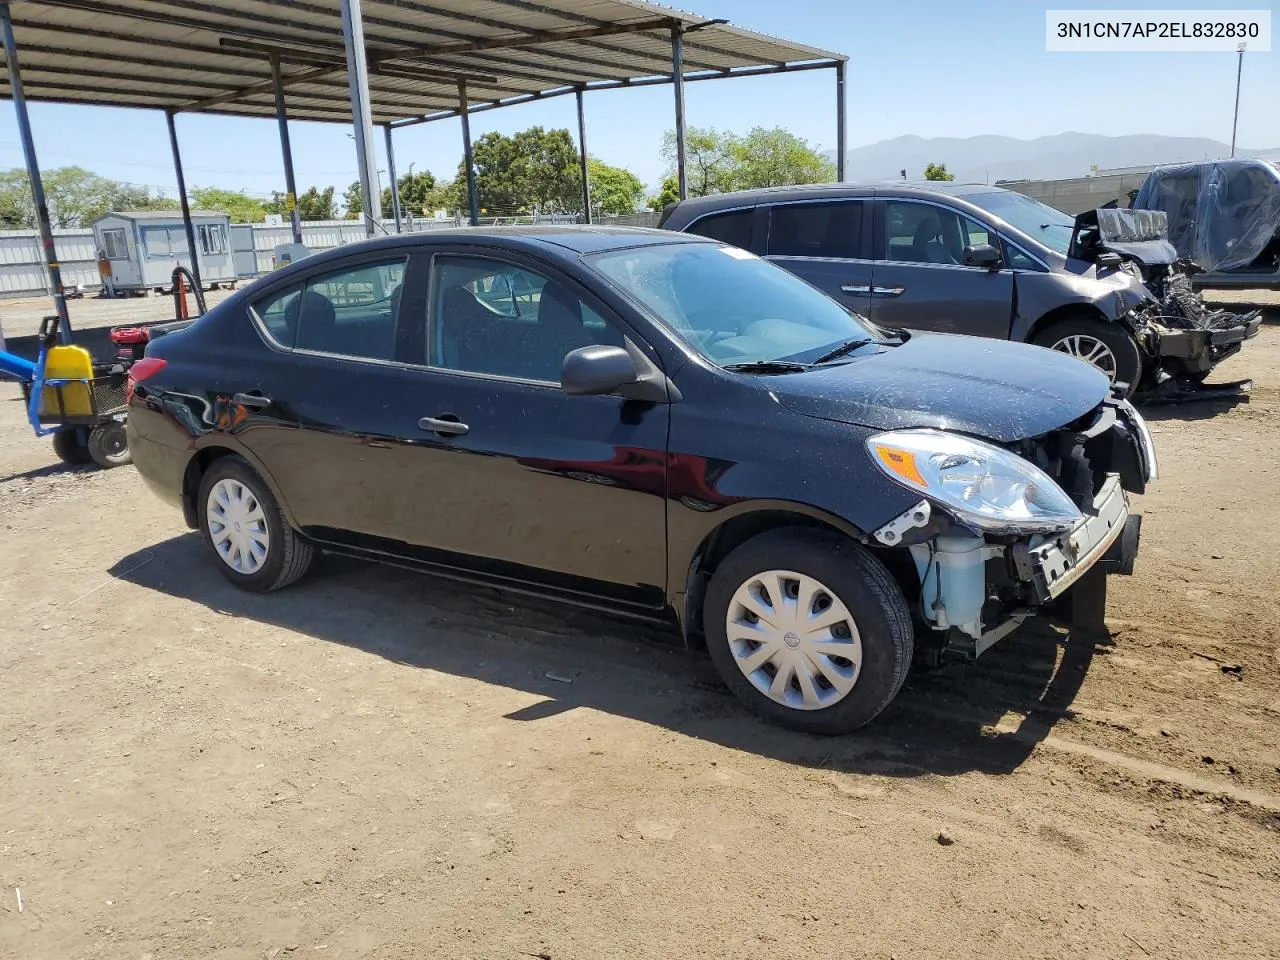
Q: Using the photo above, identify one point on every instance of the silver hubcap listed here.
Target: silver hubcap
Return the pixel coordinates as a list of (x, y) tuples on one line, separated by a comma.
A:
[(1090, 350), (794, 640), (237, 526)]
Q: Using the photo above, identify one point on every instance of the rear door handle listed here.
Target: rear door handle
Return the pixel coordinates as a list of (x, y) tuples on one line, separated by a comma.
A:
[(254, 400), (447, 426), (887, 291), (855, 288)]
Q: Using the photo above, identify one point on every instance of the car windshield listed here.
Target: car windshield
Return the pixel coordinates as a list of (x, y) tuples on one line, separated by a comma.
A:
[(1037, 220), (730, 305)]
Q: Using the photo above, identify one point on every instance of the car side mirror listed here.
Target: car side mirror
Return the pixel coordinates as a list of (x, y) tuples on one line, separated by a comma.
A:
[(1109, 260), (983, 255), (597, 370)]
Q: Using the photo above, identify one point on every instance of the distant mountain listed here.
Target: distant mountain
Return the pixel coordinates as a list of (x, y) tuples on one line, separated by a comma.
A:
[(990, 158)]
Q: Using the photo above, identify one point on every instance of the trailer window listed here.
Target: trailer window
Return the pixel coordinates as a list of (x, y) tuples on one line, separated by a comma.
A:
[(213, 239), (113, 243), (155, 241)]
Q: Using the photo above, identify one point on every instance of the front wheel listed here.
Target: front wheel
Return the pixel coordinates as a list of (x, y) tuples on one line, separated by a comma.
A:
[(244, 526), (809, 630), (1106, 346)]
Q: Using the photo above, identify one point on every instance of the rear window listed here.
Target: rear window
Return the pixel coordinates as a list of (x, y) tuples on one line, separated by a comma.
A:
[(733, 227)]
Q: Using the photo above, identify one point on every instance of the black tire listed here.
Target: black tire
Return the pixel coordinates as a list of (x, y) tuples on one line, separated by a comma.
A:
[(70, 449), (1128, 358), (288, 555), (865, 587), (109, 445)]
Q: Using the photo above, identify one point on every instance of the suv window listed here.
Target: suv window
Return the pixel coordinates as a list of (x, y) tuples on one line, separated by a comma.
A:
[(351, 312), (733, 227), (495, 318), (830, 229), (924, 233)]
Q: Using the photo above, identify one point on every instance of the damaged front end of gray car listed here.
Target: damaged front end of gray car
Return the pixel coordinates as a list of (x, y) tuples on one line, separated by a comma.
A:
[(1181, 339)]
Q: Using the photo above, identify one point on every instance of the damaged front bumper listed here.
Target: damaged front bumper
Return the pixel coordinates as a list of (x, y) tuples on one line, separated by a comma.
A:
[(1199, 351), (975, 590)]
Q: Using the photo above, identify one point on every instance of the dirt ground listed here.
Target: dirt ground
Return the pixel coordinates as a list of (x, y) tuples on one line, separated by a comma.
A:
[(376, 764)]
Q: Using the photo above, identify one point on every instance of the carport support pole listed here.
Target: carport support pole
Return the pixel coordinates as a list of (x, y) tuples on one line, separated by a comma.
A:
[(33, 174), (286, 151), (361, 113), (467, 161), (840, 121), (677, 84), (391, 172), (182, 197), (582, 159)]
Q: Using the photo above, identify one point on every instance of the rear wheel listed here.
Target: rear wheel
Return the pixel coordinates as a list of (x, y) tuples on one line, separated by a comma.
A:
[(244, 526), (109, 445), (809, 630), (1106, 346), (70, 448)]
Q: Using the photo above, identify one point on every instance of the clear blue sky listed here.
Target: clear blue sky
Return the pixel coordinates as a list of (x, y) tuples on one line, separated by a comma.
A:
[(936, 68)]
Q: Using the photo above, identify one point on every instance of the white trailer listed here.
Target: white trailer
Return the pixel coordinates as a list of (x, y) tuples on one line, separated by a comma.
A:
[(143, 248)]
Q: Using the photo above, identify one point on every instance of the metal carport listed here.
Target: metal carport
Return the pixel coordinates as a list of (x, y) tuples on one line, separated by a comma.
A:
[(389, 63)]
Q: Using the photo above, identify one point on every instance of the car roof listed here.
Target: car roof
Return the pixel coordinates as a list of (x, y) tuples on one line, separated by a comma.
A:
[(577, 238), (818, 191)]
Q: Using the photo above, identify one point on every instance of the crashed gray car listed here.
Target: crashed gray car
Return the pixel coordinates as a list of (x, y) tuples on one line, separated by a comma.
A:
[(1107, 286)]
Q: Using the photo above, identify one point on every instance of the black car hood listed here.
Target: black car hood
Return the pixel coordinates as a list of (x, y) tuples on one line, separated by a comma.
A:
[(992, 389)]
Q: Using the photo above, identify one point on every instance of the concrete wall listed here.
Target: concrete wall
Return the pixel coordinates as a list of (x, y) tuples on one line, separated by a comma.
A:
[(1077, 195)]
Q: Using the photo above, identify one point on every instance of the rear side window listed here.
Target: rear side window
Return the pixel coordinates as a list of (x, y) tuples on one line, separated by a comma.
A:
[(816, 229), (733, 228), (350, 312)]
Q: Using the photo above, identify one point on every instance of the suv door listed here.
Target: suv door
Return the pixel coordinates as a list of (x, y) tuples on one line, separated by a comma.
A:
[(920, 280), (323, 409), (823, 242), (511, 475)]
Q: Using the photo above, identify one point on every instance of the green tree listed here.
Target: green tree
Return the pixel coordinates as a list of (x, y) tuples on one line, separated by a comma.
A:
[(614, 190), (317, 204), (938, 171), (776, 158), (709, 159), (719, 161), (353, 201), (669, 193), (239, 205), (535, 169), (414, 190), (75, 197)]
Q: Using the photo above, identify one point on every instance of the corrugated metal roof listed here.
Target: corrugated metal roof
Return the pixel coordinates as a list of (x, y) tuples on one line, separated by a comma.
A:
[(212, 56)]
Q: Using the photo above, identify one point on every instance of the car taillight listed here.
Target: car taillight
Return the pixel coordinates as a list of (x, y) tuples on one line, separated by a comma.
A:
[(143, 369)]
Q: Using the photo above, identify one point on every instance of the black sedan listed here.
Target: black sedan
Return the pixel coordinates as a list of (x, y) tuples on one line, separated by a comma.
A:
[(653, 424)]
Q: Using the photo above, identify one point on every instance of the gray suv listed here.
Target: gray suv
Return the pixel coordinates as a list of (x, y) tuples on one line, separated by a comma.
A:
[(960, 258)]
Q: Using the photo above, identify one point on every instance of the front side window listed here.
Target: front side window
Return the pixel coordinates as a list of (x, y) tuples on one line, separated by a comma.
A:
[(831, 229), (350, 313), (924, 233), (491, 317), (733, 227), (729, 305), (114, 245)]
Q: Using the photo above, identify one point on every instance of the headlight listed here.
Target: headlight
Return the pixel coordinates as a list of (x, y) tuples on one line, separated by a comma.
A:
[(982, 485)]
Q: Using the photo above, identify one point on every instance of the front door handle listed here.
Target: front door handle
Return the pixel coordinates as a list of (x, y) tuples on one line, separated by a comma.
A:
[(887, 291), (855, 288), (447, 425), (255, 401)]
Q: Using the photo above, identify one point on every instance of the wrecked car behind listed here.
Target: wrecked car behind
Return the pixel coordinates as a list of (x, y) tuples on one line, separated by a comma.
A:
[(981, 260)]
